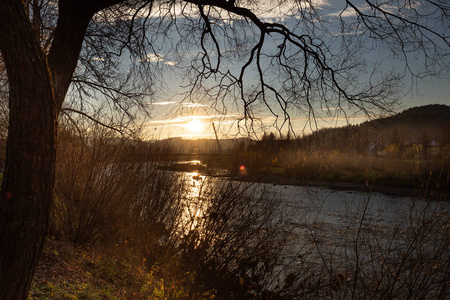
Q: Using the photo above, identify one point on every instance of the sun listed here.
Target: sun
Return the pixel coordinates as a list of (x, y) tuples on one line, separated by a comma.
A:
[(195, 126)]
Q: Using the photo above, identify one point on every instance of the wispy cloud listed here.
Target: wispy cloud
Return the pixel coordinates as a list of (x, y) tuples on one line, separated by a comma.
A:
[(96, 58), (185, 119), (163, 103), (192, 105), (343, 14), (170, 63), (266, 10), (152, 57), (364, 8)]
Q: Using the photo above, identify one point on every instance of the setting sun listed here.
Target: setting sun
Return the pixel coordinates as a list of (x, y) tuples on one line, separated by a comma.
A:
[(194, 126)]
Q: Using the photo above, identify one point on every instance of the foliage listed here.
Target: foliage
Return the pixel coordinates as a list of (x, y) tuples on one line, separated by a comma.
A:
[(164, 235), (195, 238), (381, 152)]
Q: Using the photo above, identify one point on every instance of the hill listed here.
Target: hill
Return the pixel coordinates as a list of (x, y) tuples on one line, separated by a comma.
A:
[(414, 121), (410, 149), (418, 125)]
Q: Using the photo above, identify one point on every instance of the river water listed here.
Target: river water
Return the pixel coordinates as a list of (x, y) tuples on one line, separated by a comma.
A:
[(342, 229), (331, 207)]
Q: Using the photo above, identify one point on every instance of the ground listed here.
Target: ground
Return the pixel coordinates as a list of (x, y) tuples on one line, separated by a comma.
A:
[(68, 273)]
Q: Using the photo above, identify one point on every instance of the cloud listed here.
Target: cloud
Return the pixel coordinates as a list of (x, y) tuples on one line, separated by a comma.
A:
[(349, 12), (96, 58), (265, 10), (289, 8), (344, 14), (365, 9), (163, 103), (178, 121), (191, 105), (152, 57), (170, 63)]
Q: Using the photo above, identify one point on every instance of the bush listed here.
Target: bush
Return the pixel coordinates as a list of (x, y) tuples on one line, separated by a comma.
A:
[(212, 239), (196, 237)]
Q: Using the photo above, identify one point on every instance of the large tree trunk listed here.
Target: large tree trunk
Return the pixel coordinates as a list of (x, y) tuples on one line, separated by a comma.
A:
[(26, 193), (38, 84)]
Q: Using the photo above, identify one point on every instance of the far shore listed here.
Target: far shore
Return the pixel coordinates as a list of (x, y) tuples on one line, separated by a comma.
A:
[(349, 186), (395, 189)]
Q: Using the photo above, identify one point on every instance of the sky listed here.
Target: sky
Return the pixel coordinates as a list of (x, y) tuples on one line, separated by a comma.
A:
[(169, 124), (196, 120)]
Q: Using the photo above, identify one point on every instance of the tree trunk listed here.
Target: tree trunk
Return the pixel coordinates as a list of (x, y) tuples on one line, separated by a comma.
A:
[(26, 192), (38, 84)]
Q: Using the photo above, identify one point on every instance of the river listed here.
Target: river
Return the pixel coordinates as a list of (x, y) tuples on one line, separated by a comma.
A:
[(354, 235)]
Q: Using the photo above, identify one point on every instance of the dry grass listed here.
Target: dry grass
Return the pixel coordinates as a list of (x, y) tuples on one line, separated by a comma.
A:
[(432, 172), (126, 230), (65, 272)]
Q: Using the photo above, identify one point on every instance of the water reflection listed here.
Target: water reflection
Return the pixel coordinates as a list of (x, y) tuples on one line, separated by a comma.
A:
[(194, 204), (320, 223)]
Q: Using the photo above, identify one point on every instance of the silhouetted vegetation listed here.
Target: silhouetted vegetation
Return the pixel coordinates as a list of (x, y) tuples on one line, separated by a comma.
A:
[(410, 149), (122, 228), (188, 238)]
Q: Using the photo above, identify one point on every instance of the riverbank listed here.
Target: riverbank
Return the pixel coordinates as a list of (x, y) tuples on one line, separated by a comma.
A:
[(357, 182), (414, 192), (400, 174)]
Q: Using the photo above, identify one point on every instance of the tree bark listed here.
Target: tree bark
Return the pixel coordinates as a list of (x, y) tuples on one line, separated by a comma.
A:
[(38, 85), (26, 193), (73, 20)]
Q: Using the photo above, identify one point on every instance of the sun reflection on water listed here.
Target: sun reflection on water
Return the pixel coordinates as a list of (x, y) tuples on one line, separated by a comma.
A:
[(195, 205)]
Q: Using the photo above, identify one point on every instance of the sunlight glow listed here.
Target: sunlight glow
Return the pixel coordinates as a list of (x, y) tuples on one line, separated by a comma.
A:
[(195, 126), (195, 206)]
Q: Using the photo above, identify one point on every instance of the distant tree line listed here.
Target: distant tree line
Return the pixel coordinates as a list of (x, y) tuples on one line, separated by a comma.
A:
[(413, 129)]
